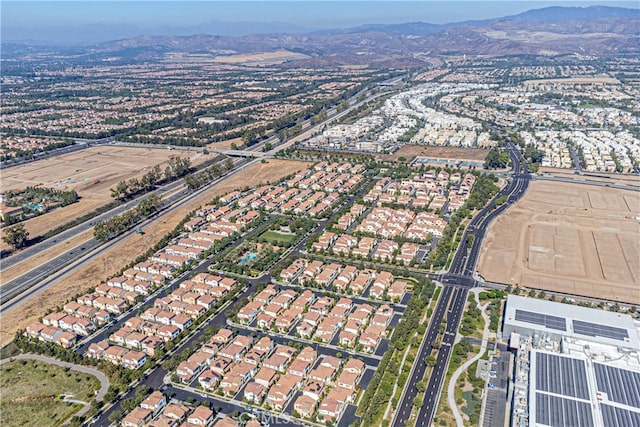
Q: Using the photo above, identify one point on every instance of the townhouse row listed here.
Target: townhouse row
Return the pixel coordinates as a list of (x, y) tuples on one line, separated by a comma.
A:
[(345, 279), (156, 411), (279, 198), (211, 224), (173, 313), (427, 190), (384, 250), (272, 374), (389, 223), (359, 326)]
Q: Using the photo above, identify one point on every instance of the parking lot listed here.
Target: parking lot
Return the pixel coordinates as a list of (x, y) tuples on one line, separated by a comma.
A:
[(497, 390)]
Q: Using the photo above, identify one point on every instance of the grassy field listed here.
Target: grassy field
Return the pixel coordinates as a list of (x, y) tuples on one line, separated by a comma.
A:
[(30, 393), (274, 237)]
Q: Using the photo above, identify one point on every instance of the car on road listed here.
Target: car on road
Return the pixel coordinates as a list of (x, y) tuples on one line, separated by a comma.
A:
[(491, 385)]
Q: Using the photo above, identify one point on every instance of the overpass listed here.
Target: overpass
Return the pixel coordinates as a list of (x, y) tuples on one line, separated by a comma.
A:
[(243, 153)]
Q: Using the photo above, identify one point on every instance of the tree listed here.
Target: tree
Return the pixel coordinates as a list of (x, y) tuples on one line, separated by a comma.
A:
[(417, 402), (431, 360), (16, 236), (421, 387), (115, 416)]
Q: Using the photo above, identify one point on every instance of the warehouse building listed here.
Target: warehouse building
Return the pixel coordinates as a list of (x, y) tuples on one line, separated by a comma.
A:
[(575, 366)]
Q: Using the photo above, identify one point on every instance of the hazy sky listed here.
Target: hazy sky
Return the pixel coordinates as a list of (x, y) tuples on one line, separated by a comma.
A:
[(311, 14)]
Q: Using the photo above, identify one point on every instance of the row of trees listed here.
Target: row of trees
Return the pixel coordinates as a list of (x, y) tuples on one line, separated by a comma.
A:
[(380, 389), (176, 168), (108, 229), (16, 236), (496, 159), (202, 178)]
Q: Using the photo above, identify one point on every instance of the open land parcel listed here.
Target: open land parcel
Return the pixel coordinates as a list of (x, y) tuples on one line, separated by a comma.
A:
[(569, 238)]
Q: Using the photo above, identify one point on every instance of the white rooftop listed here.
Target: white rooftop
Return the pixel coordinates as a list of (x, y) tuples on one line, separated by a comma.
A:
[(582, 323)]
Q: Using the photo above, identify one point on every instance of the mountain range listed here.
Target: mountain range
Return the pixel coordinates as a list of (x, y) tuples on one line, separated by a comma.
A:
[(597, 30)]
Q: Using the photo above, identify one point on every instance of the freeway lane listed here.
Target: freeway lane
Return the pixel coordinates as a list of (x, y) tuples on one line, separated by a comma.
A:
[(434, 387), (59, 238)]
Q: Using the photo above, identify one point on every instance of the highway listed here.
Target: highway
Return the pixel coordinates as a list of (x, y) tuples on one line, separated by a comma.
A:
[(450, 306), (14, 292)]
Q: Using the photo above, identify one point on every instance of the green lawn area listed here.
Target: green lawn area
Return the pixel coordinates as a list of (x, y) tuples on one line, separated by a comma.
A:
[(274, 237), (29, 391)]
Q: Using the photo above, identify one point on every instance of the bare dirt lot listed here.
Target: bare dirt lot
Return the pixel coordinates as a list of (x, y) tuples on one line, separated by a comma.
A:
[(92, 273), (412, 151), (572, 238), (91, 172), (225, 145)]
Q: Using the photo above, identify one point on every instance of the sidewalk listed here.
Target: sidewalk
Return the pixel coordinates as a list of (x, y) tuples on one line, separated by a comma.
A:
[(104, 381), (451, 400)]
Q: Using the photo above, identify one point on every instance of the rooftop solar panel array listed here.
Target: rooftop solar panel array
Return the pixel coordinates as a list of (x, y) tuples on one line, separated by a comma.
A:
[(619, 417), (551, 322), (595, 330), (557, 411), (621, 385), (561, 375)]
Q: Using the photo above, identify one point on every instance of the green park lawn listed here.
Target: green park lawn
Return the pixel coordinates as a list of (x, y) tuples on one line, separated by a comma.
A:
[(274, 237)]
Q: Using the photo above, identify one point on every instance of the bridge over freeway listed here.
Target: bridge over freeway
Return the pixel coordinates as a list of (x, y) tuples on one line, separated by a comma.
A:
[(243, 153)]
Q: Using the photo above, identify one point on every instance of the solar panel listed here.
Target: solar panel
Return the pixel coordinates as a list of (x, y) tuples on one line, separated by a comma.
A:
[(555, 411), (595, 330), (622, 386), (551, 322), (619, 417), (561, 375)]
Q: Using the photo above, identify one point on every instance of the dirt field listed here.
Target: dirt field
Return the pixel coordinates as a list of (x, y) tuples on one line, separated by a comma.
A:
[(99, 269), (225, 145), (412, 151), (91, 172), (572, 238), (264, 58)]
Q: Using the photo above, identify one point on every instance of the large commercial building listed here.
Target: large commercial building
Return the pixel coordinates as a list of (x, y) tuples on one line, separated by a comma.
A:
[(554, 320), (575, 366)]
